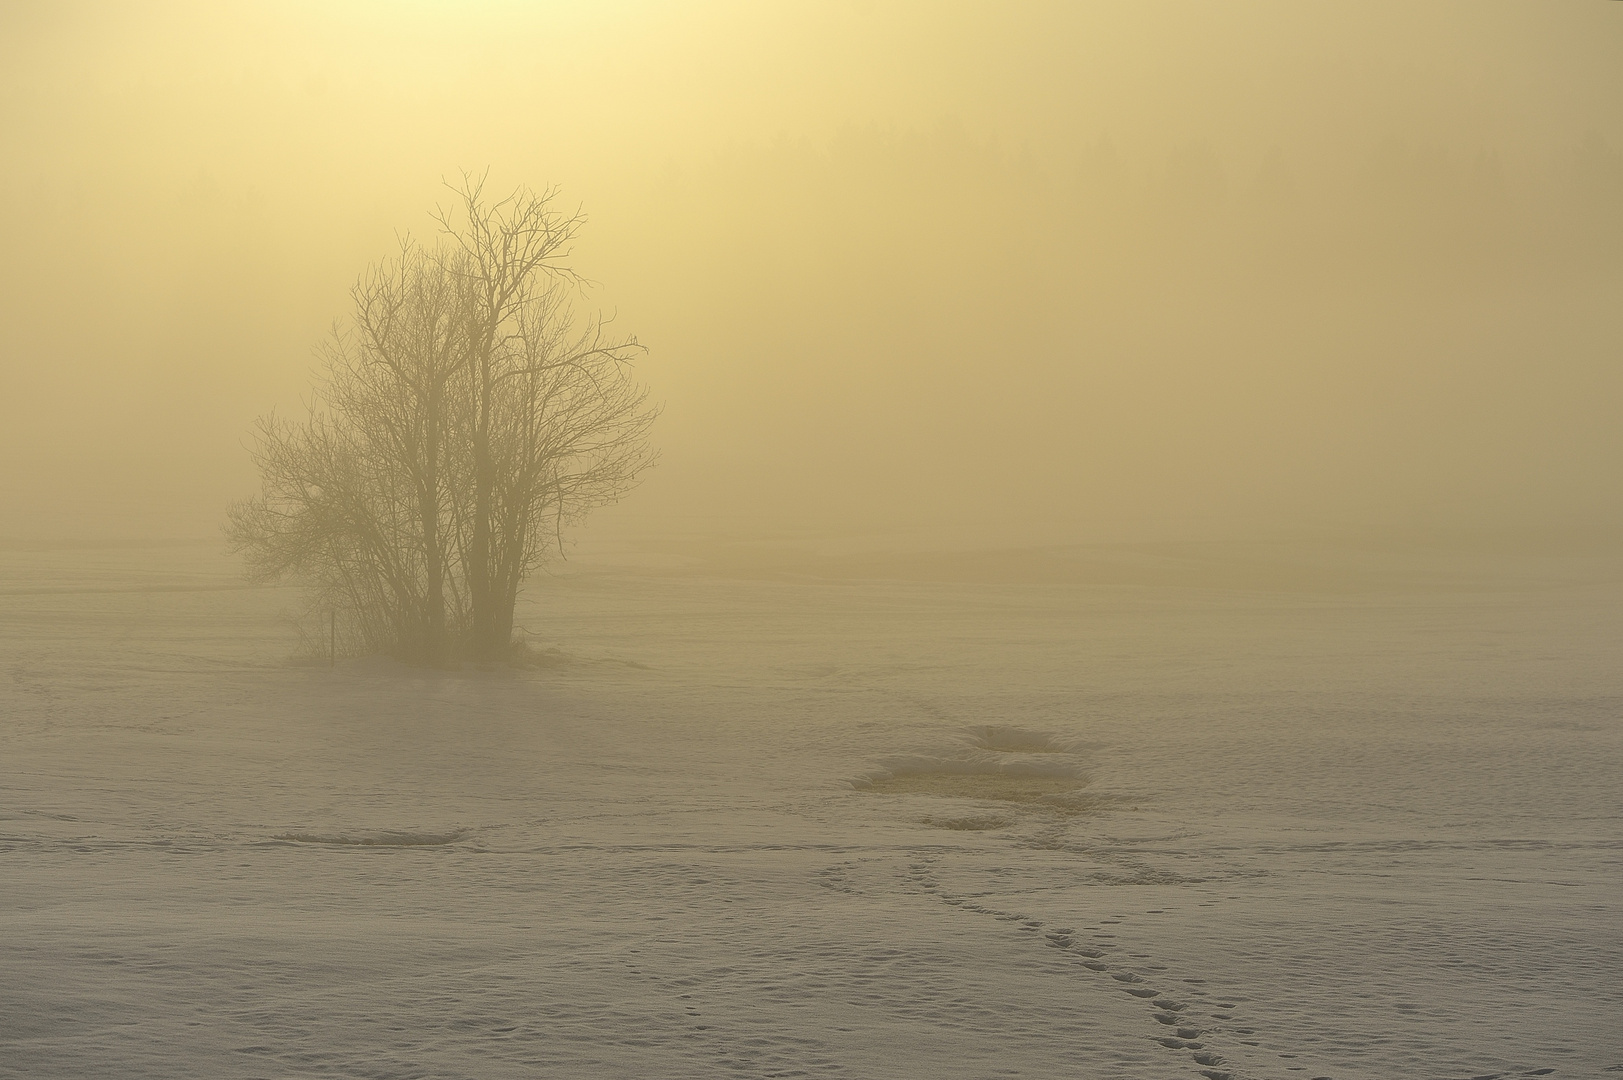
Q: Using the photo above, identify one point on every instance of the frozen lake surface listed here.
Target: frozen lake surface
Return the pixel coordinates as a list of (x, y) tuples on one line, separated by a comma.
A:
[(1364, 825)]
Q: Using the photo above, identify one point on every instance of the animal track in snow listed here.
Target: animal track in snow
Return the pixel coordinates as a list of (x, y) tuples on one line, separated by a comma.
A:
[(1185, 1036), (1217, 1039)]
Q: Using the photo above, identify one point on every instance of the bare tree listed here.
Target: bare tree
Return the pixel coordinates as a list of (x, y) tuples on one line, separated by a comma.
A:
[(464, 419)]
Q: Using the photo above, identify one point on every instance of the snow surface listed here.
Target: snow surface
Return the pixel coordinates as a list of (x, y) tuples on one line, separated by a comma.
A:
[(798, 827)]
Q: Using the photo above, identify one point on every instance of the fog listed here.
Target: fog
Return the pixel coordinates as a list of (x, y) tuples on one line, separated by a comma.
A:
[(947, 273), (1132, 586)]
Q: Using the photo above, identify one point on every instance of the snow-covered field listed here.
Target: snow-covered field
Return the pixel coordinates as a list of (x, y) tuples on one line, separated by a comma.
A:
[(760, 826)]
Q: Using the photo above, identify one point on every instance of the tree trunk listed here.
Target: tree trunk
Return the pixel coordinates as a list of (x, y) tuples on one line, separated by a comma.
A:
[(433, 550), (481, 579), (509, 575)]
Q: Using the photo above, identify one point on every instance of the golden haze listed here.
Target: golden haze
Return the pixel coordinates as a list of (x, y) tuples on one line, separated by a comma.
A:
[(1071, 272)]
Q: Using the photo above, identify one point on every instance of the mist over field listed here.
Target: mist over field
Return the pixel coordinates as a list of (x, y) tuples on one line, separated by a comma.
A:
[(1060, 273), (1087, 542)]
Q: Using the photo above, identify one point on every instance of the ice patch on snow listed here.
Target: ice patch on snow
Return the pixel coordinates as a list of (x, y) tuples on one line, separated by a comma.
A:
[(375, 839), (1015, 740), (992, 768), (971, 823)]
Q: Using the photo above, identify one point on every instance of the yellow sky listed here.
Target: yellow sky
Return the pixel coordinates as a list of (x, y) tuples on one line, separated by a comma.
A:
[(1070, 272)]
